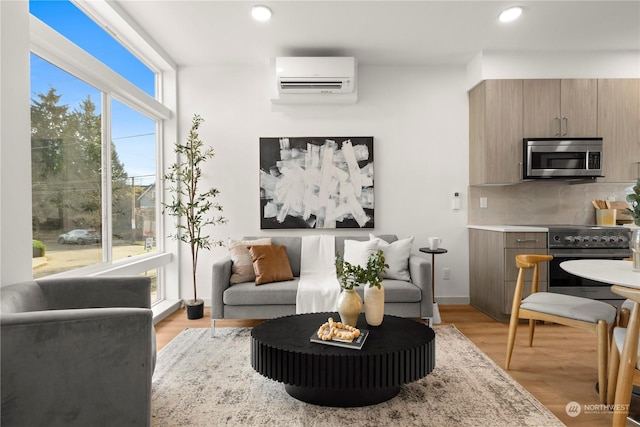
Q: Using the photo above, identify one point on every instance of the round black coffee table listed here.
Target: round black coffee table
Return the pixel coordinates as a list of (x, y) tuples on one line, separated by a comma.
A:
[(397, 352)]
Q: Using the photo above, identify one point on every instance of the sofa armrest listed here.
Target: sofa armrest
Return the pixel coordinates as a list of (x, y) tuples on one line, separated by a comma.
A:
[(76, 367), (420, 271), (95, 292), (219, 283)]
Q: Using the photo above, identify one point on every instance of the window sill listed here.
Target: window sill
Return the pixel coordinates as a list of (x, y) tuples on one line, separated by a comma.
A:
[(163, 309)]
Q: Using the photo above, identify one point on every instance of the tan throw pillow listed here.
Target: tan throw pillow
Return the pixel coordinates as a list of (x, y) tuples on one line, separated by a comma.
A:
[(242, 267), (270, 263)]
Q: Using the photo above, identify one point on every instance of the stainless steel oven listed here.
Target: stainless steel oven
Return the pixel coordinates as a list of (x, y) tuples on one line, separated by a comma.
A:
[(584, 242)]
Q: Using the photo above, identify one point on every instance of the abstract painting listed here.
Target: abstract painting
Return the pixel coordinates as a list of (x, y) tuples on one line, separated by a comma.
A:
[(316, 182)]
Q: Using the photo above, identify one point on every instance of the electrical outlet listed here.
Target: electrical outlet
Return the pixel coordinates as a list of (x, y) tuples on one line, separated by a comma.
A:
[(446, 273), (483, 202)]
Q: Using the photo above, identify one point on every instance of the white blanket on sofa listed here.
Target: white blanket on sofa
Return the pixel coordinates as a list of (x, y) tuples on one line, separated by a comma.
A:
[(318, 287)]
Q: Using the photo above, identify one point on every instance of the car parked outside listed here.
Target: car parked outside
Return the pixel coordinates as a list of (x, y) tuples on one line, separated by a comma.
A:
[(80, 237)]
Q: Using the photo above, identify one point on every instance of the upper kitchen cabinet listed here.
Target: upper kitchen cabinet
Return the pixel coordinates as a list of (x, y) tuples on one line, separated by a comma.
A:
[(619, 126), (558, 108), (495, 132)]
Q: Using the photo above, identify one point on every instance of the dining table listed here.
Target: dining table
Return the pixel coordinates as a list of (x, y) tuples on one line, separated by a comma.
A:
[(613, 272), (625, 282)]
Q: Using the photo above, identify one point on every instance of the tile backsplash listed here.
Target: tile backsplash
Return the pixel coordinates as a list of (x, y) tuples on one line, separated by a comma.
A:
[(541, 202)]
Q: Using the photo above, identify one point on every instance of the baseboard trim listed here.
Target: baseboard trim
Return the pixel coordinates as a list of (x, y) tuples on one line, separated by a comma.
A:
[(453, 300)]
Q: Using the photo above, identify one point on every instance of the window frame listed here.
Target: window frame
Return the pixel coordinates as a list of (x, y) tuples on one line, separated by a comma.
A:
[(60, 51), (56, 49)]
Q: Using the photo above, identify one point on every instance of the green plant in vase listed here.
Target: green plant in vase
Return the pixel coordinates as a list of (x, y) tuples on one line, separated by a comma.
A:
[(634, 199), (634, 211), (350, 275)]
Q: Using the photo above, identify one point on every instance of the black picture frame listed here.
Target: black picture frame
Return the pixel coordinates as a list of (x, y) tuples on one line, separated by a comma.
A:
[(316, 182)]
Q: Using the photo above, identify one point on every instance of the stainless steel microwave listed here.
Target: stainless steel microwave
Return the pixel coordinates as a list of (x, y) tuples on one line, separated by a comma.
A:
[(562, 158)]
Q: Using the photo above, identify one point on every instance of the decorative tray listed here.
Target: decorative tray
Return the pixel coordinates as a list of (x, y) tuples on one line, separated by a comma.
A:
[(340, 335)]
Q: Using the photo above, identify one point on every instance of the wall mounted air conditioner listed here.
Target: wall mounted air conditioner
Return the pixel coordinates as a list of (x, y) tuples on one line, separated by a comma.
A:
[(314, 80)]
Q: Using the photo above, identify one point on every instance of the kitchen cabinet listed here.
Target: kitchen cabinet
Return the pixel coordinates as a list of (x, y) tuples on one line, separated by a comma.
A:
[(619, 126), (560, 107), (493, 272), (495, 132), (503, 112)]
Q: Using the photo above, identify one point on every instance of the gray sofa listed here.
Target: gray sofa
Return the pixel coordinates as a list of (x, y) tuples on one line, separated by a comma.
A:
[(77, 352), (247, 301)]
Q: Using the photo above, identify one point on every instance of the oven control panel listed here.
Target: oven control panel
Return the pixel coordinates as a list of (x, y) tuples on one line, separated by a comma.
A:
[(596, 237)]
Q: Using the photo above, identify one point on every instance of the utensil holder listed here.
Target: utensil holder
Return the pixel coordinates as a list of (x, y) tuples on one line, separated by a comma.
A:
[(605, 216)]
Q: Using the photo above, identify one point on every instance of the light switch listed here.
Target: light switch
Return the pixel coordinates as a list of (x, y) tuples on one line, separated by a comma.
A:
[(483, 202)]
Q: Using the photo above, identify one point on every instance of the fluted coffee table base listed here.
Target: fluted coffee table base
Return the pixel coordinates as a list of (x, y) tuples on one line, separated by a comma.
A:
[(397, 352), (342, 398)]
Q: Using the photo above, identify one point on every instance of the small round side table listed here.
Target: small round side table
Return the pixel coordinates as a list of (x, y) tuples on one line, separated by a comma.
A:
[(434, 252)]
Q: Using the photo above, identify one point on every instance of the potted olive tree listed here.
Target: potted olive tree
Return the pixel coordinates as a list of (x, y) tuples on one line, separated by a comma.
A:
[(193, 209)]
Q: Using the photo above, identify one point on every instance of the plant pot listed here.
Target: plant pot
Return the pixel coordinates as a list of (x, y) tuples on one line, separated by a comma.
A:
[(349, 307), (374, 305), (195, 309)]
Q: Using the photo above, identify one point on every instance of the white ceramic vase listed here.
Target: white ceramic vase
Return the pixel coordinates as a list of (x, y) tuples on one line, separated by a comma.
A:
[(374, 304), (349, 307)]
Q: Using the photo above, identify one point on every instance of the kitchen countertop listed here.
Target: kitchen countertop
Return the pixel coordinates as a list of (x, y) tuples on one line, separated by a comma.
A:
[(528, 228), (511, 228)]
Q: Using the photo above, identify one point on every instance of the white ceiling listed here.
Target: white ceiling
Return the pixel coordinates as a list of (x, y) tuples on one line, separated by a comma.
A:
[(381, 32)]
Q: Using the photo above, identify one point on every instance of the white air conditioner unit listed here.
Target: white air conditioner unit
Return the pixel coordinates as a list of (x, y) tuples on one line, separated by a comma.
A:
[(315, 80)]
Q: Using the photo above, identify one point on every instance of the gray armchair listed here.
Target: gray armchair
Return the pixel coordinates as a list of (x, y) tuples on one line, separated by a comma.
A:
[(77, 352)]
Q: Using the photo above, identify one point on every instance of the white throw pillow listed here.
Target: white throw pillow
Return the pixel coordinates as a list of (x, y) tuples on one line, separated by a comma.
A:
[(396, 255), (357, 253)]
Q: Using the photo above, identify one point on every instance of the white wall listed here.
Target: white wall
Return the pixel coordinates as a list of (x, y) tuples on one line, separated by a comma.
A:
[(418, 117), (15, 145)]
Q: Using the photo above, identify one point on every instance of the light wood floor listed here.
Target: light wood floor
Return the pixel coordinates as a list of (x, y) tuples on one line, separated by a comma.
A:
[(558, 369)]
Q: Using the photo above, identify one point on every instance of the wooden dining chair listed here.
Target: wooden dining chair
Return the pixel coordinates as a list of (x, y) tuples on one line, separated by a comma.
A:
[(624, 357), (577, 312), (625, 313)]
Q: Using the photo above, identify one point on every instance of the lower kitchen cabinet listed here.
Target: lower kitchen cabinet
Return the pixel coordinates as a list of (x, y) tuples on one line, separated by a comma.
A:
[(493, 272)]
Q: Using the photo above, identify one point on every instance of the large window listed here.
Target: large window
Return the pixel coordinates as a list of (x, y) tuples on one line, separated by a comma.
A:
[(64, 17), (94, 140), (134, 172), (66, 146)]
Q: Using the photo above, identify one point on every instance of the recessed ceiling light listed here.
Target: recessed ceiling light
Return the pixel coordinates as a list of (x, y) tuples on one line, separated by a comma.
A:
[(510, 14), (261, 13)]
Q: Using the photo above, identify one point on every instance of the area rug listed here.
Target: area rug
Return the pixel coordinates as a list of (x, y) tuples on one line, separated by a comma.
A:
[(208, 381)]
